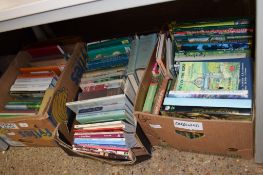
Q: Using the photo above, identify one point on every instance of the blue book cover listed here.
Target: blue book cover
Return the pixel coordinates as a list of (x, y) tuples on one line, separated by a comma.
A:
[(104, 141)]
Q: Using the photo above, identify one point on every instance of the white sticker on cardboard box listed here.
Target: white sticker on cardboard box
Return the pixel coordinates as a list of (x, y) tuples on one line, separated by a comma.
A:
[(8, 126), (11, 133), (188, 125), (155, 126), (23, 125)]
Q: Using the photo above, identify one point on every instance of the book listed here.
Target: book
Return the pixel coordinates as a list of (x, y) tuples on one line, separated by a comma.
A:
[(105, 52), (105, 72), (149, 100), (121, 125), (210, 55), (44, 52), (61, 61), (47, 80), (102, 147), (170, 58), (213, 46), (213, 38), (213, 111), (100, 93), (159, 96), (108, 43), (41, 70), (220, 75), (212, 23), (116, 99), (145, 51), (31, 87), (49, 93), (106, 85), (16, 113), (225, 75), (208, 102), (132, 63), (106, 116), (22, 106), (110, 62), (161, 54), (127, 106), (102, 78)]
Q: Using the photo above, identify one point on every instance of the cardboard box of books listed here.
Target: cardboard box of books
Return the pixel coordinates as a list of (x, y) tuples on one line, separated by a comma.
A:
[(105, 128), (34, 93), (215, 122)]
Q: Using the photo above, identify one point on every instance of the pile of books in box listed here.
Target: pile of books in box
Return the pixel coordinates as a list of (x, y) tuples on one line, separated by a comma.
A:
[(212, 61), (104, 108), (32, 82)]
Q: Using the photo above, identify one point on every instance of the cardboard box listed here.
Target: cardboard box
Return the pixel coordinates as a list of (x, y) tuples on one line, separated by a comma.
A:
[(39, 130), (64, 138), (221, 137)]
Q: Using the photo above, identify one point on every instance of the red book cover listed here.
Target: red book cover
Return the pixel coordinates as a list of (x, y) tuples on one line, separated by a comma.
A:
[(45, 51), (44, 69)]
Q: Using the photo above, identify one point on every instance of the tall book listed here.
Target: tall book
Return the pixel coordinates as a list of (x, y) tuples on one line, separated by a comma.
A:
[(161, 54), (132, 63), (146, 48)]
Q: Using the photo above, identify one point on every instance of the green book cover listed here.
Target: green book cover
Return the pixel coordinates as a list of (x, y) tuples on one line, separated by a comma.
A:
[(103, 117), (108, 52), (147, 107), (199, 76), (108, 43)]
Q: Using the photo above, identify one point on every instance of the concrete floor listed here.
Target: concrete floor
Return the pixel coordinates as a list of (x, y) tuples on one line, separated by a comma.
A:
[(47, 161)]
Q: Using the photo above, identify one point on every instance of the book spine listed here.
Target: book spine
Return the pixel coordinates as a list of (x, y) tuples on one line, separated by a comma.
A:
[(160, 96), (100, 116), (216, 31), (147, 107), (95, 109), (100, 54), (102, 147), (213, 46), (115, 61), (104, 141), (234, 94), (109, 43), (22, 107), (92, 87), (99, 136)]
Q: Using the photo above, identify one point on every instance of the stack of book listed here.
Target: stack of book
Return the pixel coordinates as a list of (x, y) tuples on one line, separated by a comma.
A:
[(32, 82), (213, 77), (104, 108)]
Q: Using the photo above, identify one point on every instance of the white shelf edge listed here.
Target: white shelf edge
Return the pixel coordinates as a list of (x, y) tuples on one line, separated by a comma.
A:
[(76, 11), (259, 83)]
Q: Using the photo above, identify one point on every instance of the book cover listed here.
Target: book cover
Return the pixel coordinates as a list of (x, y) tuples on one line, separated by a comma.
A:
[(146, 48), (132, 63), (100, 54), (160, 96), (161, 54), (149, 100), (46, 51), (232, 74), (76, 105)]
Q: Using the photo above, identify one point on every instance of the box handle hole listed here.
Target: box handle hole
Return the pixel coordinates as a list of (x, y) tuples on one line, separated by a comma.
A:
[(190, 135)]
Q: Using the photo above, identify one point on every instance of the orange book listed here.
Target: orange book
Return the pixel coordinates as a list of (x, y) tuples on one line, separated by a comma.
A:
[(40, 75), (44, 69)]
